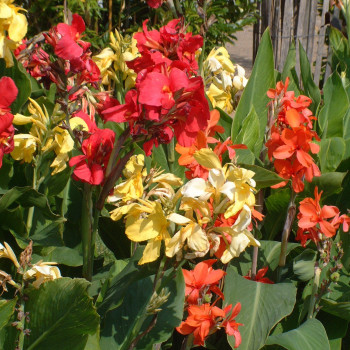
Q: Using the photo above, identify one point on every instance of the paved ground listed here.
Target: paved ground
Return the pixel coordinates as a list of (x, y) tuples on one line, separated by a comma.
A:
[(242, 51)]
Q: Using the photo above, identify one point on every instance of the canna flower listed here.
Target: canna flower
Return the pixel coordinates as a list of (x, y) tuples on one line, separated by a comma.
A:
[(201, 321), (42, 272), (202, 280), (8, 95), (314, 220), (7, 252), (25, 147), (13, 28), (230, 325), (260, 276), (132, 188), (91, 166), (155, 3), (220, 98)]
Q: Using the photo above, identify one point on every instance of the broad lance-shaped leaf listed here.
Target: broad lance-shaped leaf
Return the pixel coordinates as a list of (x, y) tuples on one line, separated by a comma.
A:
[(249, 135), (336, 104), (289, 70), (331, 153), (310, 87), (263, 178), (7, 308), (263, 305), (62, 315), (254, 94), (310, 335), (124, 323)]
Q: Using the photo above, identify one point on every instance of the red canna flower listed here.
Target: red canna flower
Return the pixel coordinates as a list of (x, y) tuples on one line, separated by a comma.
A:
[(201, 281), (314, 219), (260, 276), (8, 94), (90, 167), (230, 325), (201, 321), (68, 45), (155, 3)]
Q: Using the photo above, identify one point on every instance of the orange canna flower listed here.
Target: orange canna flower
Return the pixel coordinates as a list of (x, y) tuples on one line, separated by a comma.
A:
[(230, 325), (202, 280), (260, 276)]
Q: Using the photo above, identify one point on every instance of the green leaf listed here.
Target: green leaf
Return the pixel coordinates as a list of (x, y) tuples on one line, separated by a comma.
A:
[(61, 255), (120, 323), (336, 104), (226, 122), (263, 306), (7, 308), (245, 156), (254, 94), (329, 183), (310, 335), (263, 178), (340, 309), (249, 134), (61, 315), (276, 205), (27, 197), (304, 264), (310, 87), (159, 158), (331, 153), (22, 81)]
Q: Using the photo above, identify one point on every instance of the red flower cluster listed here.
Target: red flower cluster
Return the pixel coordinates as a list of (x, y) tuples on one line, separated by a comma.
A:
[(8, 94), (292, 138), (155, 3), (203, 318), (74, 53), (90, 167), (169, 100), (315, 221), (202, 140)]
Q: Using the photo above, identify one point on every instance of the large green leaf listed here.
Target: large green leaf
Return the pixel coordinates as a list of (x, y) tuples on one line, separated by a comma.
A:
[(336, 104), (310, 335), (263, 178), (331, 153), (310, 87), (27, 197), (249, 134), (289, 69), (254, 94), (7, 308), (61, 255), (304, 264), (121, 324), (61, 315), (22, 81), (263, 305)]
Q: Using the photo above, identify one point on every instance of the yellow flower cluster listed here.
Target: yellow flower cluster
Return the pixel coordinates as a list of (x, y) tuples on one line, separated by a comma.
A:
[(44, 137), (13, 28), (149, 204), (112, 61), (223, 79)]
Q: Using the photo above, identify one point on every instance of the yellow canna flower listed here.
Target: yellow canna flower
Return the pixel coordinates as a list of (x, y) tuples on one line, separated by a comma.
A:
[(13, 28), (7, 252), (42, 272), (220, 98), (25, 147), (132, 188)]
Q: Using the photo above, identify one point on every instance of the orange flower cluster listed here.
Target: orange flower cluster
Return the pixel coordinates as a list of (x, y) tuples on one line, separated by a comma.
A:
[(204, 138), (292, 138), (204, 318), (316, 221)]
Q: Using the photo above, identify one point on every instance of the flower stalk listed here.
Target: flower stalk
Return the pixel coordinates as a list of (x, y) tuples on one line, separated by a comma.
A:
[(314, 291)]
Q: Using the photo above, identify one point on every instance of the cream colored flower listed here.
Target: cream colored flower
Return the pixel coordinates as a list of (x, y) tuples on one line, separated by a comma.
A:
[(42, 272), (7, 252)]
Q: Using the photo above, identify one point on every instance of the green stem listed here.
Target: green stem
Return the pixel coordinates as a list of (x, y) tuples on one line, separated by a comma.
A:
[(31, 209), (87, 232), (204, 31), (171, 155), (314, 291), (285, 235), (64, 206)]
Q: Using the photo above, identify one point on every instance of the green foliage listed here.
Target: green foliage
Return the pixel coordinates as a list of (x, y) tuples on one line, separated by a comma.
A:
[(264, 305)]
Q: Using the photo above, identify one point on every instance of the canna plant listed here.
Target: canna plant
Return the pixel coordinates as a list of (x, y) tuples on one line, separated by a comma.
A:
[(145, 218)]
